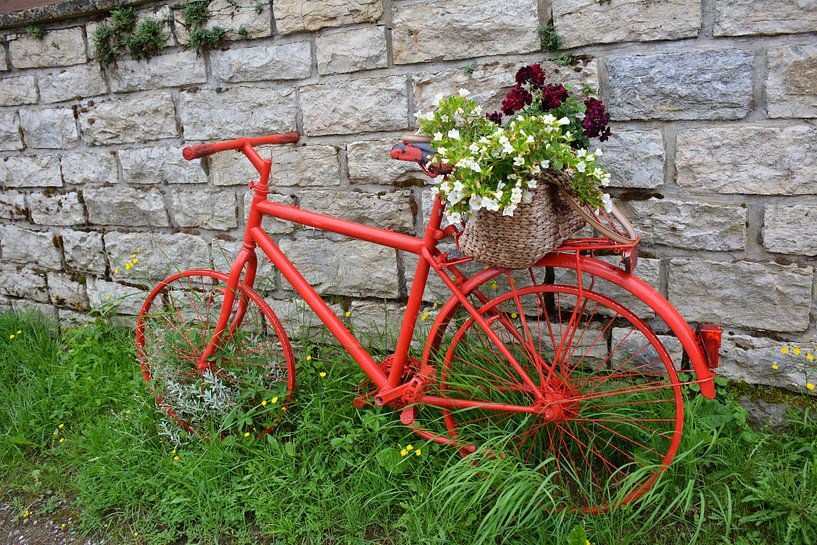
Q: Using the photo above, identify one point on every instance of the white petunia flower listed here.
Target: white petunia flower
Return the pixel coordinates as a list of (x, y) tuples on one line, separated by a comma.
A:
[(509, 210), (533, 184), (608, 202), (438, 98), (438, 136), (545, 164), (454, 133), (581, 153), (473, 148), (519, 161), (581, 166), (430, 116), (478, 110), (529, 139), (491, 204), (564, 121), (464, 92)]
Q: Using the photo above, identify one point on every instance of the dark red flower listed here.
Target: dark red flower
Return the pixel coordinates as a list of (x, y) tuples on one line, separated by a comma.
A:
[(516, 99), (553, 96), (496, 117), (596, 120), (532, 74)]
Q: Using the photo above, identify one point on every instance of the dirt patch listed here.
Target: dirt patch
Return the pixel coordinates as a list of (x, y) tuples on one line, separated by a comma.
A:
[(17, 529)]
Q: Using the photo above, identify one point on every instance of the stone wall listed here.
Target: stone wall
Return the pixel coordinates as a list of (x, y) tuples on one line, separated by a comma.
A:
[(714, 153)]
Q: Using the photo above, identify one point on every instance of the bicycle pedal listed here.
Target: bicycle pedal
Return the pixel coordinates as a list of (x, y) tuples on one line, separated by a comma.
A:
[(408, 415), (362, 400)]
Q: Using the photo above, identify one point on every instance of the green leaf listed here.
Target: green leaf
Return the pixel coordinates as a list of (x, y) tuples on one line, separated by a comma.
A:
[(577, 536), (289, 448)]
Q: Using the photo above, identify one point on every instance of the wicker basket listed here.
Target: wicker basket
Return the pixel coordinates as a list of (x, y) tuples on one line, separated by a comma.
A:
[(536, 228)]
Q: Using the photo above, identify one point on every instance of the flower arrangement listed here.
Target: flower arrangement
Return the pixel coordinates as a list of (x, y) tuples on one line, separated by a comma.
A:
[(496, 164)]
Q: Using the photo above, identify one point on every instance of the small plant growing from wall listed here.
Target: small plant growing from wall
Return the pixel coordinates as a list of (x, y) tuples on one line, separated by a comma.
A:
[(195, 15), (35, 31), (120, 34), (549, 40)]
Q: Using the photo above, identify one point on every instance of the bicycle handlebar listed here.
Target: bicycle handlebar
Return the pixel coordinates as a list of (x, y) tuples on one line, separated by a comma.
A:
[(203, 150)]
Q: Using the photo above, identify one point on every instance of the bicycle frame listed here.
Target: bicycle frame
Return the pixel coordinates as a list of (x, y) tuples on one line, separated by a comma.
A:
[(389, 384)]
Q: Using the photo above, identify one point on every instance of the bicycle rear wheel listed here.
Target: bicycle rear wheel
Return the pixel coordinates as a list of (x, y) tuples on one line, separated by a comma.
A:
[(602, 406), (249, 379)]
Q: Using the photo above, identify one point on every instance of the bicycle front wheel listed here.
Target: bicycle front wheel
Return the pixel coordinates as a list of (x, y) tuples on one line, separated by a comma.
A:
[(593, 395), (247, 382)]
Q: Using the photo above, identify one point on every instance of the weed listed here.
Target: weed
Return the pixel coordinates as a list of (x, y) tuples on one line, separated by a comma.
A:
[(207, 38), (549, 39), (243, 33), (259, 8), (565, 60), (146, 40), (196, 14), (36, 32), (468, 69)]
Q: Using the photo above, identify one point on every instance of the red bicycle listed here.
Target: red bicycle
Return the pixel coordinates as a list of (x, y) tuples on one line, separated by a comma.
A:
[(538, 364)]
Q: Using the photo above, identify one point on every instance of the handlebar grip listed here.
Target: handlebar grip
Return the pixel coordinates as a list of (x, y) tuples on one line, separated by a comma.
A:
[(201, 150)]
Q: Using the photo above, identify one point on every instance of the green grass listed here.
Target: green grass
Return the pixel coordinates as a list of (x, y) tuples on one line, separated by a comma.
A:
[(334, 474)]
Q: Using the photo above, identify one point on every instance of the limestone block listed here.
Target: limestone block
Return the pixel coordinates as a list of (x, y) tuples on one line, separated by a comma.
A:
[(240, 18), (135, 118), (488, 83), (350, 50), (307, 15), (40, 311), (726, 159), (791, 83), (18, 90), (754, 295), (30, 171), (125, 206), (742, 17), (70, 319), (370, 163), (3, 60), (690, 224), (300, 322), (58, 48), (384, 210), (159, 164), (12, 205), (348, 267), (10, 132), (273, 226), (292, 166), (23, 282), (360, 105), (634, 159), (204, 208), (686, 85), (52, 128), (22, 245), (89, 167), (84, 251), (433, 30), (749, 359), (790, 229), (376, 323), (80, 81), (67, 290), (273, 62), (236, 112), (127, 299), (631, 349), (56, 208), (166, 70), (582, 22), (161, 254)]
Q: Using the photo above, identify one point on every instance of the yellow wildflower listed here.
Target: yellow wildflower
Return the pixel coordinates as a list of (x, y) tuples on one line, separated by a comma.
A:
[(246, 434), (61, 426), (514, 315), (135, 261), (264, 403), (775, 366), (348, 313), (403, 452), (784, 350), (418, 452), (128, 266), (425, 315), (494, 284), (62, 439), (107, 297), (11, 336), (62, 526), (138, 250), (176, 458), (56, 433), (796, 351), (116, 270), (26, 513), (409, 447), (810, 386), (173, 451), (436, 305), (274, 399), (309, 358), (19, 331), (810, 357), (322, 374), (132, 256)]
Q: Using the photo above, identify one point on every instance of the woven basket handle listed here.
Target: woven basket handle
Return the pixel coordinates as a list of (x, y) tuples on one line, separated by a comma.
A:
[(593, 221)]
